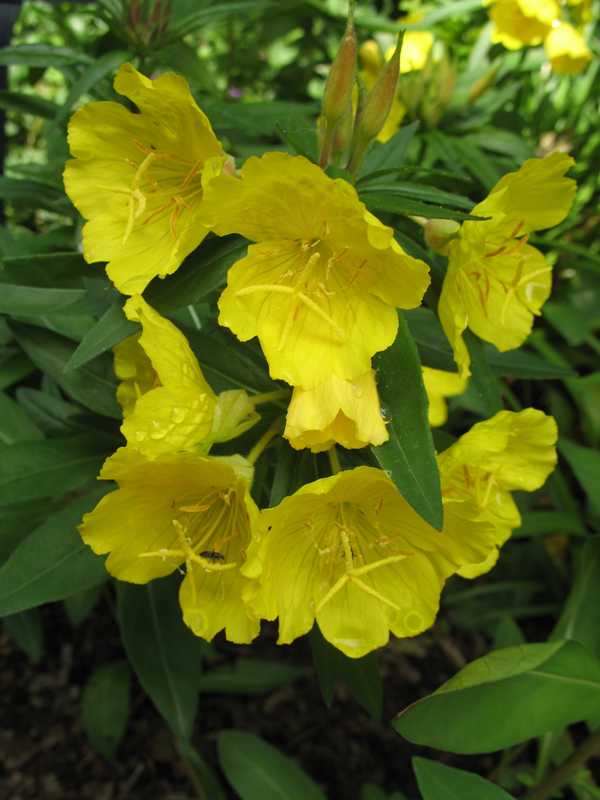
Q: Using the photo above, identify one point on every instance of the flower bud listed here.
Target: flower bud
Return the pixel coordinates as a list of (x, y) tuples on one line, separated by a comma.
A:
[(438, 233), (372, 115), (338, 88)]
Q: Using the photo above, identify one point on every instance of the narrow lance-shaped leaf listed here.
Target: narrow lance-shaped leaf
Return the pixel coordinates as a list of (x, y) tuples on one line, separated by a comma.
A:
[(360, 675), (52, 562), (105, 706), (111, 328), (580, 619), (164, 653), (409, 455), (258, 771)]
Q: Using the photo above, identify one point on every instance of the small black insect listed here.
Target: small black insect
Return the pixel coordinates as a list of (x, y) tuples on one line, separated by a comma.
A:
[(212, 555)]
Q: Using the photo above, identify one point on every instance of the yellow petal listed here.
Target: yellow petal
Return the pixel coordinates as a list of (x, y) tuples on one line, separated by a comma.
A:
[(501, 290), (287, 200), (168, 419), (181, 509), (440, 384), (346, 412), (522, 22), (517, 448), (535, 197), (567, 50), (137, 178), (311, 322), (135, 372), (454, 314), (166, 347), (351, 543)]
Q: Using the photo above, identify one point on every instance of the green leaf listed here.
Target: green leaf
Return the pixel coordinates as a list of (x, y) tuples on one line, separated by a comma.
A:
[(206, 774), (101, 66), (248, 676), (27, 104), (388, 155), (31, 301), (111, 328), (42, 55), (438, 782), (216, 12), (164, 653), (227, 364), (428, 194), (580, 619), (93, 384), (80, 605), (48, 468), (15, 425), (257, 119), (409, 456), (543, 686), (540, 523), (436, 352), (105, 706), (25, 628), (33, 194), (585, 463), (483, 382), (203, 272), (258, 771), (360, 675), (14, 368), (405, 206), (52, 563), (45, 270)]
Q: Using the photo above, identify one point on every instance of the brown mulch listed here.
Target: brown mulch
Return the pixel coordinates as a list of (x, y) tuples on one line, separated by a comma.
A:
[(45, 755)]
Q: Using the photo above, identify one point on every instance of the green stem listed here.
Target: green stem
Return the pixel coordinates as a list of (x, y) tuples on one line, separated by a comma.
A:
[(270, 397), (334, 460), (263, 442), (589, 748)]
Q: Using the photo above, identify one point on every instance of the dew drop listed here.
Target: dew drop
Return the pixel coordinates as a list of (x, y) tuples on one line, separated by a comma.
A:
[(140, 435), (178, 415)]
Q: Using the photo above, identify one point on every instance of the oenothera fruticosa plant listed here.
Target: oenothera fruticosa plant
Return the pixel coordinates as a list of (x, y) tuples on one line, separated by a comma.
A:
[(321, 288)]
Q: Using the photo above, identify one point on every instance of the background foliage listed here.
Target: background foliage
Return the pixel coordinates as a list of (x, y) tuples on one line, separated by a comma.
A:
[(249, 722)]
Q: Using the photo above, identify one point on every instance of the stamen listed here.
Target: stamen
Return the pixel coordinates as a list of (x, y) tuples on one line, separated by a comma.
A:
[(331, 593), (369, 590)]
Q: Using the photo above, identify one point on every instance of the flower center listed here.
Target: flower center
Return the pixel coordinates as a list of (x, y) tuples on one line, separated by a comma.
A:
[(164, 185), (210, 531), (351, 547)]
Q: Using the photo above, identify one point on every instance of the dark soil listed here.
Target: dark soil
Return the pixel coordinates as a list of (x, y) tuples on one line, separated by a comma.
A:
[(44, 753)]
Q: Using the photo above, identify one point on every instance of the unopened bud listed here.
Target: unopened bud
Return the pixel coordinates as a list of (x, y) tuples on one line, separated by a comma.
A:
[(380, 98), (338, 88), (376, 108), (438, 233), (342, 136)]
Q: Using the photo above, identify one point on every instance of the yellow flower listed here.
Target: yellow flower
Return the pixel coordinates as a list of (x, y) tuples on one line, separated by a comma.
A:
[(346, 412), (522, 22), (510, 451), (566, 49), (135, 372), (321, 287), (440, 384), (496, 282), (139, 178), (175, 409), (181, 509), (349, 552)]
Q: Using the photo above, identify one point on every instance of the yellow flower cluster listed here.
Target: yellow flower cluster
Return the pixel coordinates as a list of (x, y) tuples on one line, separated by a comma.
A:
[(319, 287), (517, 23)]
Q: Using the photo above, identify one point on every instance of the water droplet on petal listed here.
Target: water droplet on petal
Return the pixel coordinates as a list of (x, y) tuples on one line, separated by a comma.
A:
[(140, 435), (178, 415)]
